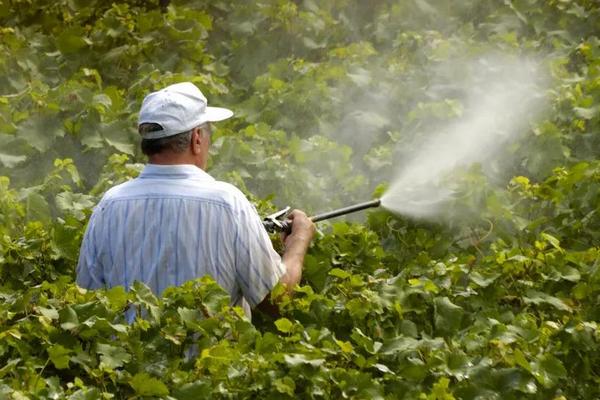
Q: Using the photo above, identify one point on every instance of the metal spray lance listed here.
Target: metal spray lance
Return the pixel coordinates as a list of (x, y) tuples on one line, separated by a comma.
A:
[(276, 223)]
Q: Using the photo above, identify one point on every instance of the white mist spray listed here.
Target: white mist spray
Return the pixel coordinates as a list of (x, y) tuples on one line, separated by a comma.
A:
[(501, 99)]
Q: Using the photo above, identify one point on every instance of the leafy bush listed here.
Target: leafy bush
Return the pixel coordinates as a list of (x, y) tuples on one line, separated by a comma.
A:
[(497, 303)]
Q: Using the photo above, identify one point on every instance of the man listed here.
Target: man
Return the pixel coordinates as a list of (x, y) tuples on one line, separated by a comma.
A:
[(175, 222)]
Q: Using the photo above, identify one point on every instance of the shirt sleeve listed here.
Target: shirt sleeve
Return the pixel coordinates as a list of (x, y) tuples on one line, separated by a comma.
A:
[(89, 270), (258, 267)]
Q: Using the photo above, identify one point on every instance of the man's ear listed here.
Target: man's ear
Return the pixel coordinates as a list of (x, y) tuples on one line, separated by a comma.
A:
[(197, 139)]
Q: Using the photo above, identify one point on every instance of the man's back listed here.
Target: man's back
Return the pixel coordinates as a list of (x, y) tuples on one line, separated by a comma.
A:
[(175, 223)]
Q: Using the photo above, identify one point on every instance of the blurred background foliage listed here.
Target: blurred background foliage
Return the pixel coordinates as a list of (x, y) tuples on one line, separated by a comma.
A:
[(327, 94)]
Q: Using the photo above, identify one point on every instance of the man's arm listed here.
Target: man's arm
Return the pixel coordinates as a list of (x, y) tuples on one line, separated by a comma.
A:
[(296, 245), (258, 267)]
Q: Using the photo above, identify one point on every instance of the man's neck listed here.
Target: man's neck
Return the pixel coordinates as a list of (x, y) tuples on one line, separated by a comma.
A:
[(173, 159)]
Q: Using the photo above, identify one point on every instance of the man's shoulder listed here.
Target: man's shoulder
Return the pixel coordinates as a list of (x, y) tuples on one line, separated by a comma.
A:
[(229, 189), (234, 195), (117, 190), (212, 191)]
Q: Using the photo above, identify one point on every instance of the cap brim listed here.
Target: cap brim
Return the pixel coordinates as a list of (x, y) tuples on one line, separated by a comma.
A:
[(215, 114)]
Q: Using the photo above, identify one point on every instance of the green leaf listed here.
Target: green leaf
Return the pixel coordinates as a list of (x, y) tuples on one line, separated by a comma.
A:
[(552, 240), (10, 160), (93, 140), (147, 299), (357, 308), (37, 208), (102, 102), (285, 385), (521, 360), (383, 368), (64, 240), (568, 273), (365, 342), (71, 40), (339, 273), (345, 346), (399, 344), (118, 136), (49, 313), (145, 385), (284, 325), (193, 391), (59, 356), (518, 380), (441, 391), (447, 316), (548, 370), (85, 394), (483, 280), (68, 318), (188, 316), (118, 297), (40, 131), (112, 357), (315, 272), (586, 113), (75, 203), (537, 297), (298, 359)]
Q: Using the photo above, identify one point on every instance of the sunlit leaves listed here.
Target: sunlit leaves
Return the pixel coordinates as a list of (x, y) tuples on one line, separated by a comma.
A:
[(71, 40), (145, 385), (112, 356), (448, 316), (284, 325), (59, 356), (328, 97)]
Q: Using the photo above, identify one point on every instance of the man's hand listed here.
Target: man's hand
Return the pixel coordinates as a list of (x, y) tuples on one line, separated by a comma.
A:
[(303, 229)]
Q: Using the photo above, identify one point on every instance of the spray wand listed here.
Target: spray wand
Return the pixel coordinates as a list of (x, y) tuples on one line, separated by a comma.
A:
[(276, 223)]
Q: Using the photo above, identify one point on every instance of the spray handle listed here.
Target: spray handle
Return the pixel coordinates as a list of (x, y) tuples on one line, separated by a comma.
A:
[(276, 223)]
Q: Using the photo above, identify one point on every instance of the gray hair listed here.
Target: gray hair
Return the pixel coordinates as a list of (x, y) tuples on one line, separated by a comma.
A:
[(177, 143)]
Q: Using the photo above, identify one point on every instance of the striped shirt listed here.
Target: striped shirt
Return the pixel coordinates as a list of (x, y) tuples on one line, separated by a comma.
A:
[(175, 223)]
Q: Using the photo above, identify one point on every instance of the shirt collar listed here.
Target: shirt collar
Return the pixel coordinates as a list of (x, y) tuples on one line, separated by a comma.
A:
[(176, 171)]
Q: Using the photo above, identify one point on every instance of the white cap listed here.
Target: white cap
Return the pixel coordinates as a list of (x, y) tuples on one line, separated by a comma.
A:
[(178, 108)]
